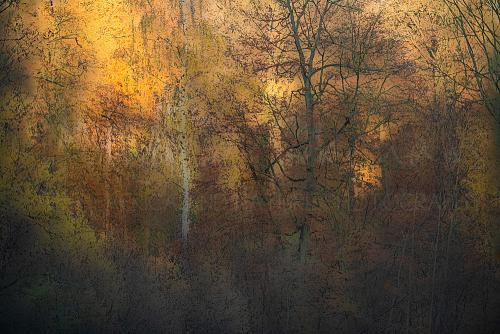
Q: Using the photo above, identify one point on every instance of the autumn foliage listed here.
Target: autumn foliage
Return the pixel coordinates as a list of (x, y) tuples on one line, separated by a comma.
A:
[(271, 166)]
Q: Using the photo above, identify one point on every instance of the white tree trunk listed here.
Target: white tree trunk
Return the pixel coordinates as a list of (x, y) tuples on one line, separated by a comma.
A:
[(184, 141), (107, 181), (185, 172)]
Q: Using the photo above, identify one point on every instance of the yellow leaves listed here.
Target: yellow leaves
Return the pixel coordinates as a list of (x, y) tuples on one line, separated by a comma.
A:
[(369, 175), (247, 90), (278, 87), (232, 173), (119, 74)]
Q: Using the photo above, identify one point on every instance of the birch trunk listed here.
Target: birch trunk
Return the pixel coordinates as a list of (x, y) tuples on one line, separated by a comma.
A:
[(183, 114), (107, 182), (185, 172)]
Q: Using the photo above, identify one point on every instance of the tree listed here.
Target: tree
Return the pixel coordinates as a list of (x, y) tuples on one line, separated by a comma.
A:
[(475, 24)]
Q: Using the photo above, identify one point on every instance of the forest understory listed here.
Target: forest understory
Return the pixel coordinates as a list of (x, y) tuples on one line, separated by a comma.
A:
[(250, 166)]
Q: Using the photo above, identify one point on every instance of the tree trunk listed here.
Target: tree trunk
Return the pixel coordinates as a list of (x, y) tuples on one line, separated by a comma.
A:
[(184, 156), (306, 69), (107, 181), (183, 115), (305, 228)]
